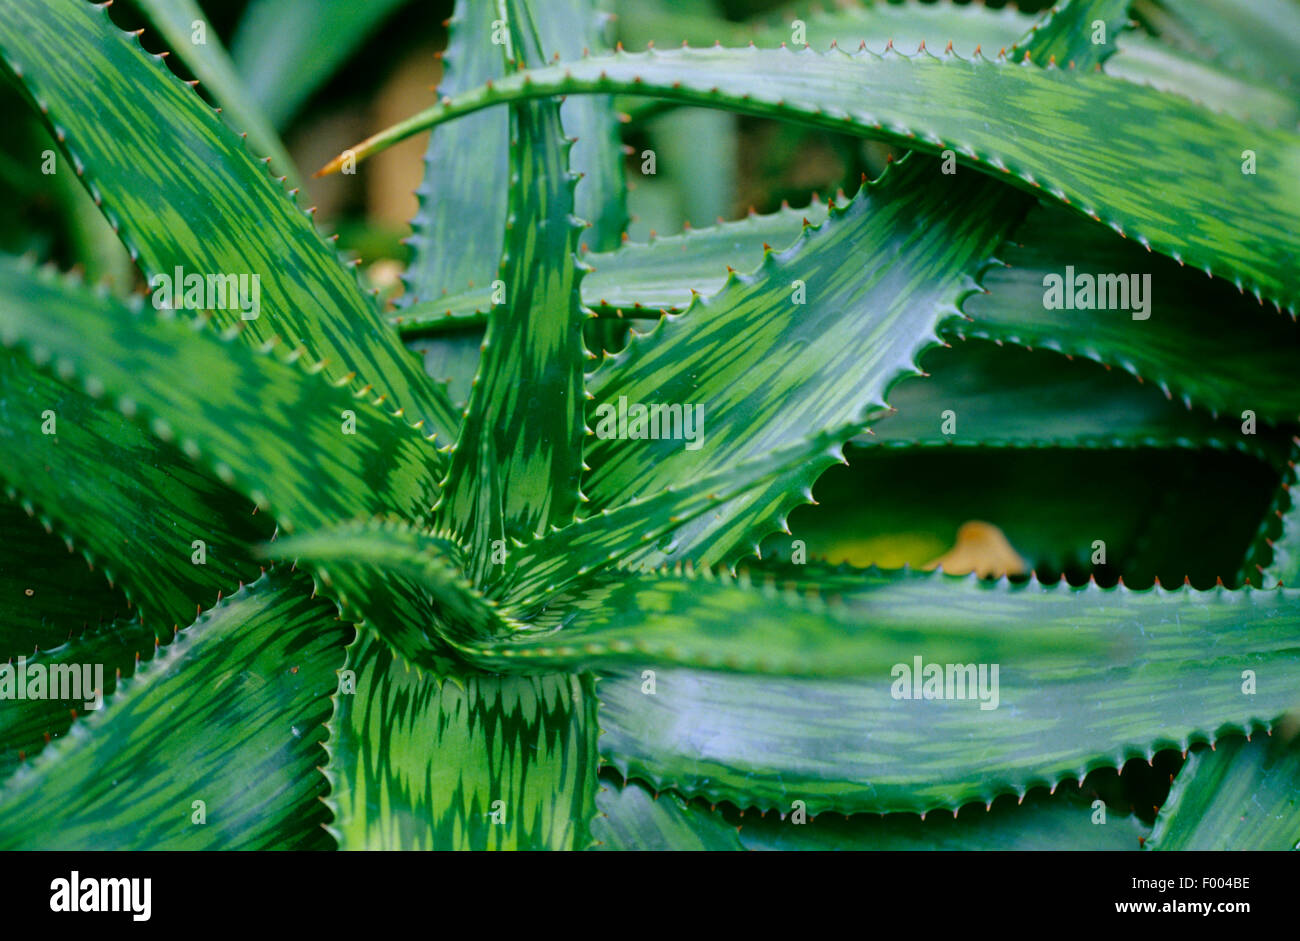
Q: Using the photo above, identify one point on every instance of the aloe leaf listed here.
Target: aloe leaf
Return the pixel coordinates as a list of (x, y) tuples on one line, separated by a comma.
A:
[(190, 36), (621, 617), (215, 213), (255, 672), (1193, 344), (76, 675), (630, 818), (457, 234), (1052, 822), (405, 583), (1140, 680), (421, 762), (170, 535), (295, 444), (906, 26), (459, 230), (793, 350), (1201, 341), (461, 225), (286, 49), (1079, 33), (1239, 795), (1006, 396), (533, 355), (640, 533), (569, 29), (641, 279), (1211, 215), (1273, 557), (688, 618), (411, 587), (48, 591)]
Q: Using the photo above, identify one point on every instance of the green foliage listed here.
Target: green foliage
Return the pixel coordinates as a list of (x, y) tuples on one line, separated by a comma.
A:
[(338, 600)]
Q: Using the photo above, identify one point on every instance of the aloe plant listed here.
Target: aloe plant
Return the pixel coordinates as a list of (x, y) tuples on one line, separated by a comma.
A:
[(341, 598)]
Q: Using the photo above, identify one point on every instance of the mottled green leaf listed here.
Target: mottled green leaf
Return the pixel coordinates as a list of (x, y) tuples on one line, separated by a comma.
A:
[(461, 226), (1202, 340), (480, 762), (457, 235), (231, 714), (570, 29), (267, 428), (640, 279), (808, 344), (1149, 670), (1041, 821), (522, 434), (690, 618), (905, 26), (630, 818), (48, 591), (1238, 795), (1001, 396), (134, 505), (1068, 33), (122, 117), (639, 533), (406, 584), (1047, 131), (75, 675), (180, 22)]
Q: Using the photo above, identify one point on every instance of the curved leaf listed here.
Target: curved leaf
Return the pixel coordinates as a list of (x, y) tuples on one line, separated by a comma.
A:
[(1238, 795), (1000, 396), (524, 417), (182, 191), (48, 592), (179, 22), (809, 344), (76, 675), (229, 714), (167, 532), (1150, 670), (1201, 340), (906, 26), (1211, 214), (630, 818), (272, 432), (406, 584)]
